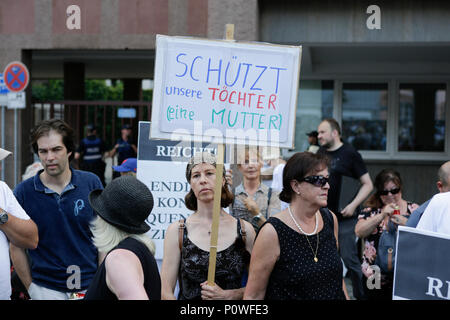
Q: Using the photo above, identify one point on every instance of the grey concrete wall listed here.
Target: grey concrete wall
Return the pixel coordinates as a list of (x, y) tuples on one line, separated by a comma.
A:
[(419, 180), (109, 25), (402, 21), (242, 13)]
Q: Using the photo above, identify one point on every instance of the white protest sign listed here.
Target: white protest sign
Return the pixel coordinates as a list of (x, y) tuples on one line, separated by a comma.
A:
[(241, 93), (3, 92), (161, 166), (16, 100), (421, 266)]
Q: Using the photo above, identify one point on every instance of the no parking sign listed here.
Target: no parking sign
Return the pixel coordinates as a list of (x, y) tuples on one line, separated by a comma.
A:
[(16, 76)]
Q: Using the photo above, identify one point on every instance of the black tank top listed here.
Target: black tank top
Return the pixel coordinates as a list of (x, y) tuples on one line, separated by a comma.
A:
[(98, 289), (231, 265), (295, 275)]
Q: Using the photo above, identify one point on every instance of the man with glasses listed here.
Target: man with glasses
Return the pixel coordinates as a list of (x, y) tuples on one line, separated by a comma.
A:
[(345, 162)]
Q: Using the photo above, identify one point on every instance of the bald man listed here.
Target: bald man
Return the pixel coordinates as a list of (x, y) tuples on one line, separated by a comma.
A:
[(443, 185)]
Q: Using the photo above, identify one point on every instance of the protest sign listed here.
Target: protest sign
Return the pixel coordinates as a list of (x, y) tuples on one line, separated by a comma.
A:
[(421, 266), (241, 93)]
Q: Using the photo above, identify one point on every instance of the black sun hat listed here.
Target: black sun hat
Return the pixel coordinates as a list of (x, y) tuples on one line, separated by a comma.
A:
[(125, 203)]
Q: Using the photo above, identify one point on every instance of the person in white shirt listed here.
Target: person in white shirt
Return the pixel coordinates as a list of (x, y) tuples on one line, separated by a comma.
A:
[(436, 217), (15, 227)]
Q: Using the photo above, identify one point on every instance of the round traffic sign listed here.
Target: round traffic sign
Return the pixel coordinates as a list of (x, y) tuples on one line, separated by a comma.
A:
[(16, 76)]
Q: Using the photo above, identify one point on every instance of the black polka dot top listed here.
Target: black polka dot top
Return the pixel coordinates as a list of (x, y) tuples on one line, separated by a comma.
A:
[(296, 276)]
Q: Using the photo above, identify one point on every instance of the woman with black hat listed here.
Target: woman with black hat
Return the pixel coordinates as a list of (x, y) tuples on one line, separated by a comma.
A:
[(186, 244), (129, 270)]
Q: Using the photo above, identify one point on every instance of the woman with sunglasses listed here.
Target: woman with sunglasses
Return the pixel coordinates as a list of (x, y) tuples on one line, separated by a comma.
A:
[(295, 255), (385, 205)]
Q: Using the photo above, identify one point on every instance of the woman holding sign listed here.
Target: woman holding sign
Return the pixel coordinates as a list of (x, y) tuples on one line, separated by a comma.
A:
[(295, 256), (186, 244)]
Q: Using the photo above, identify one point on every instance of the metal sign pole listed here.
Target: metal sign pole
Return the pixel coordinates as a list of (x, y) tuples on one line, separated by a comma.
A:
[(15, 146)]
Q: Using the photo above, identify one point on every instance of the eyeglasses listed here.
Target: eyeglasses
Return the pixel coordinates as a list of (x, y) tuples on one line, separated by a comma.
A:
[(393, 191), (318, 181)]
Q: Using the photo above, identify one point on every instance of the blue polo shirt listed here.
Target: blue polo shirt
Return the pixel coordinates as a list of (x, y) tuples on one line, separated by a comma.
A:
[(65, 244)]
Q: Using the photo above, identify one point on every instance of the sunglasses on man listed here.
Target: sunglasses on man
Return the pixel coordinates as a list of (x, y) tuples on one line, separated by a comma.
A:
[(317, 181), (393, 191)]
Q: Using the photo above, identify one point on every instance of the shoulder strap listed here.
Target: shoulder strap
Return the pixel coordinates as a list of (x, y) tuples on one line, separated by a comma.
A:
[(327, 214), (269, 195), (181, 228), (243, 232)]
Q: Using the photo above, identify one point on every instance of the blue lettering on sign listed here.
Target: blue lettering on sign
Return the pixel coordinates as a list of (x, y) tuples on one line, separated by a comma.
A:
[(229, 73), (3, 88)]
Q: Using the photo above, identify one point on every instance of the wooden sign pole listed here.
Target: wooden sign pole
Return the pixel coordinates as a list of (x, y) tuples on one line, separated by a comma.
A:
[(229, 35)]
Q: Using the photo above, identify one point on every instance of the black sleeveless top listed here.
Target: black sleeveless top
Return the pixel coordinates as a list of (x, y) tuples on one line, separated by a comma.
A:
[(231, 265), (295, 275), (98, 289)]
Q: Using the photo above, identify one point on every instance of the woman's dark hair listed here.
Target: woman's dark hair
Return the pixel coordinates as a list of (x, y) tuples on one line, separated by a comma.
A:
[(190, 200), (61, 127), (299, 166), (384, 176)]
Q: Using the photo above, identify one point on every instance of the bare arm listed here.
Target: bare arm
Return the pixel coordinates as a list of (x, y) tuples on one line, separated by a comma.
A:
[(364, 191), (364, 227), (21, 265), (124, 275), (171, 263), (20, 232), (254, 210), (266, 252)]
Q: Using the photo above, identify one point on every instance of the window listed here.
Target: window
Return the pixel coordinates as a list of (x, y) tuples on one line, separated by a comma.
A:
[(384, 119), (364, 115), (422, 117), (315, 102)]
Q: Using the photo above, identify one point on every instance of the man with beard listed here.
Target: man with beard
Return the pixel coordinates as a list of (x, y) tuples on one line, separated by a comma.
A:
[(345, 161), (56, 198)]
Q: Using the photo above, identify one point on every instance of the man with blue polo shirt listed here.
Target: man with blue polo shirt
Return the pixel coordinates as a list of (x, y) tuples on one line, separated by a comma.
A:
[(56, 198)]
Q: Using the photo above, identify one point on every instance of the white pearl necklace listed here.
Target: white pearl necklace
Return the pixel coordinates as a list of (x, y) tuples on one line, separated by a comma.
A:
[(300, 228)]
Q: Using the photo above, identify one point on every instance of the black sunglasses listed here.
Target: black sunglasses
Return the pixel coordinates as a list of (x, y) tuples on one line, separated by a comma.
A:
[(393, 191), (318, 181)]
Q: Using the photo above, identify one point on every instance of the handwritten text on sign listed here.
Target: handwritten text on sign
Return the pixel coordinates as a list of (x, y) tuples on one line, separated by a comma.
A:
[(225, 86)]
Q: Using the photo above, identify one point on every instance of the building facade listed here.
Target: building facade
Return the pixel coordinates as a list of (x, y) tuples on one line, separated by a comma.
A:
[(381, 69)]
